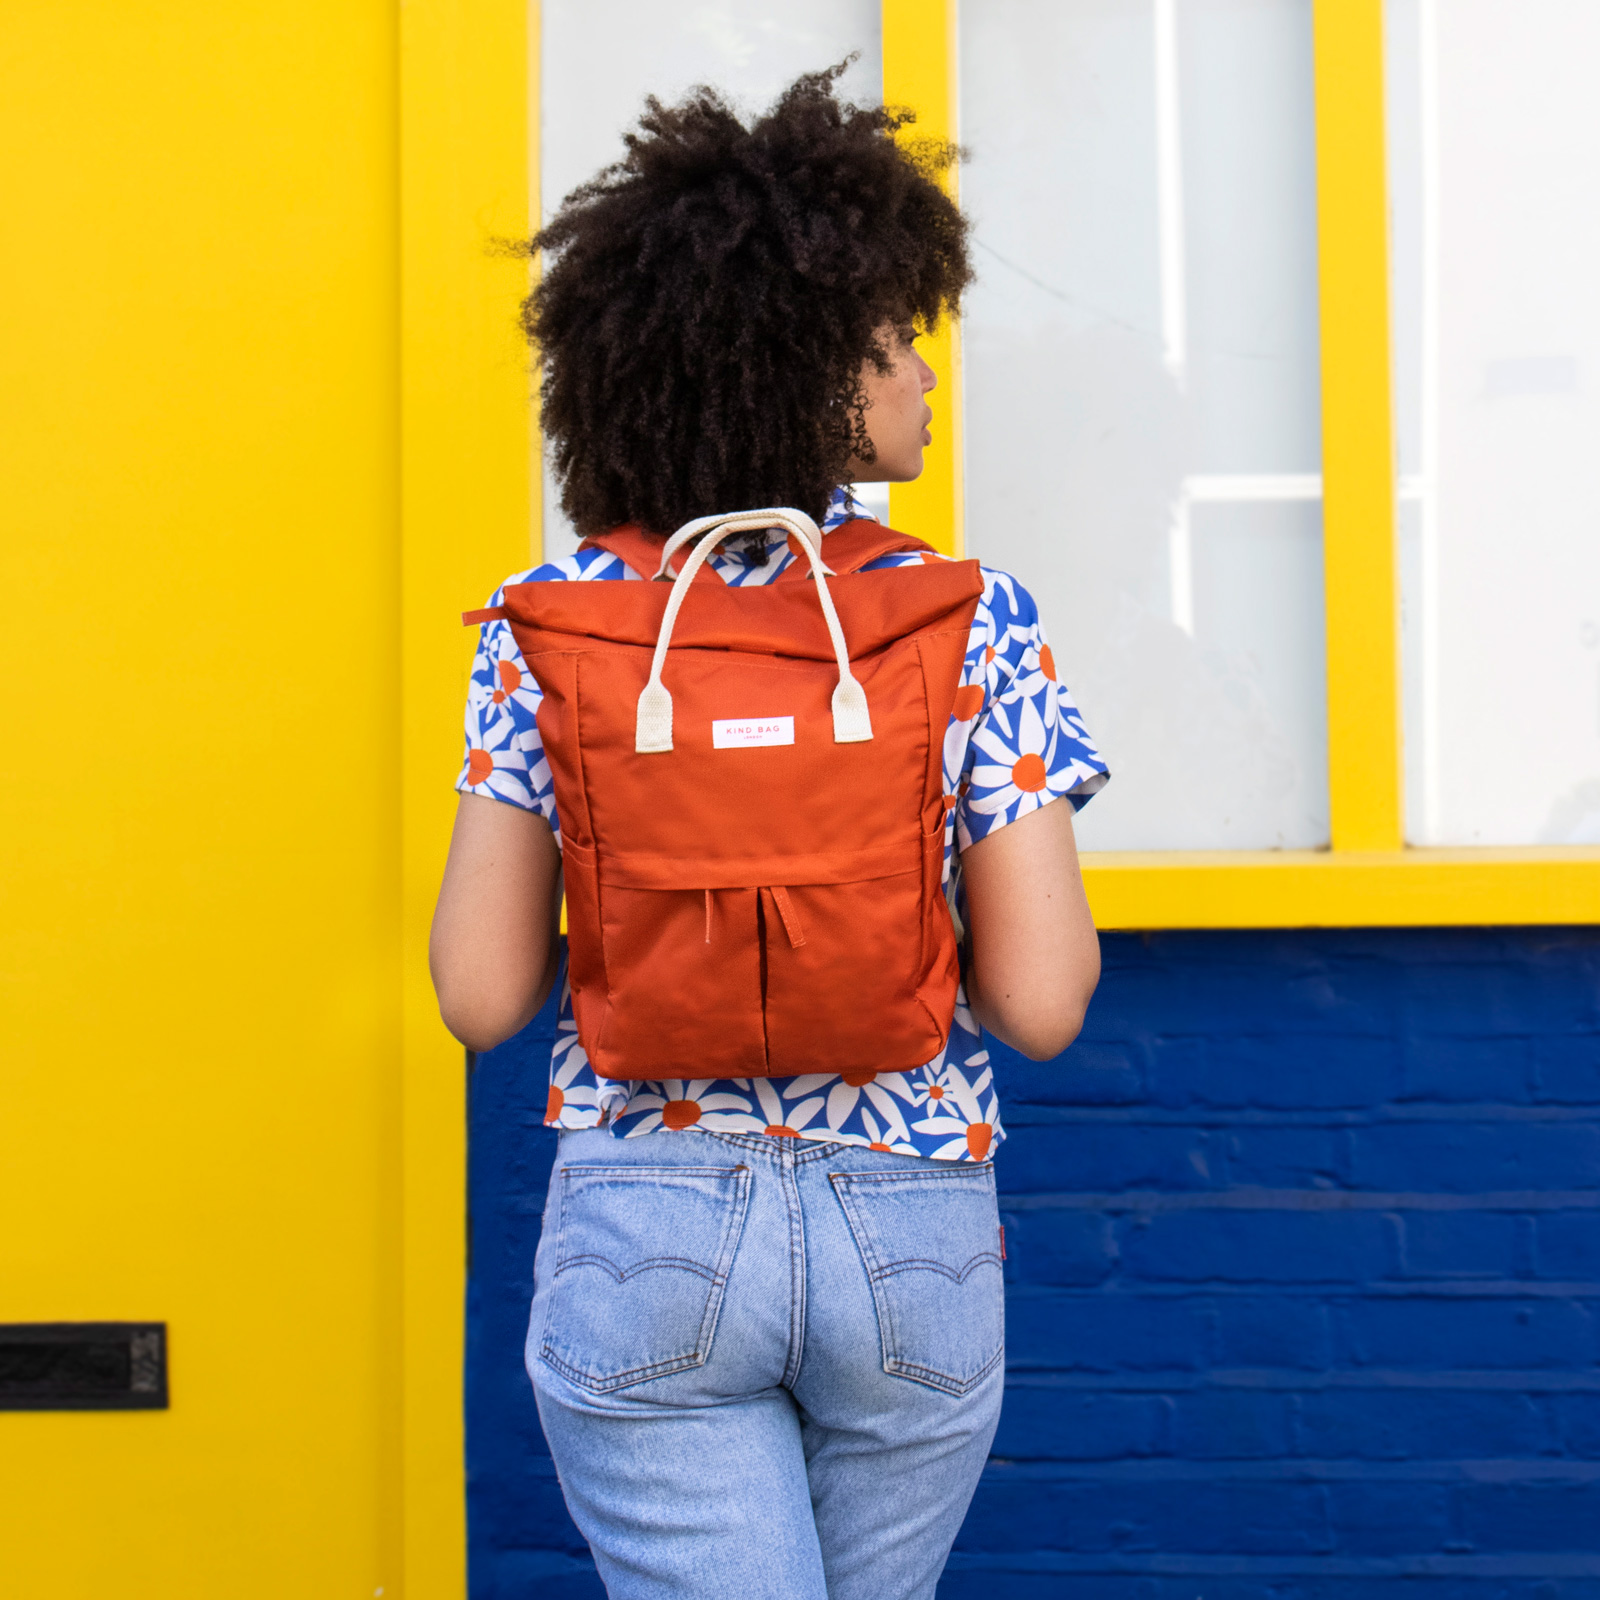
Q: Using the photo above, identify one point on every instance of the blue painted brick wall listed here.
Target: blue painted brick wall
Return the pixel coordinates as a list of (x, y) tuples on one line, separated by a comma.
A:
[(1304, 1284)]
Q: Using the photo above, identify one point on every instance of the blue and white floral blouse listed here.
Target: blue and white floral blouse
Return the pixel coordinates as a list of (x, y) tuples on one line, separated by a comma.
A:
[(1015, 741)]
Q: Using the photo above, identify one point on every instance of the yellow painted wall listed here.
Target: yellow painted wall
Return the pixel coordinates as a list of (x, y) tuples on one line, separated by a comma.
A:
[(467, 118), (199, 652)]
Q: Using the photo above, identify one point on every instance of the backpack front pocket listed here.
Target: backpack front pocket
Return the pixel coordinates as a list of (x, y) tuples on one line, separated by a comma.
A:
[(642, 1259), (843, 970), (930, 1243), (684, 976)]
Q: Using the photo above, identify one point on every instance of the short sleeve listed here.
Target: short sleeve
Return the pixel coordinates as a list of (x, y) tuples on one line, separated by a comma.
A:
[(505, 757), (1028, 744)]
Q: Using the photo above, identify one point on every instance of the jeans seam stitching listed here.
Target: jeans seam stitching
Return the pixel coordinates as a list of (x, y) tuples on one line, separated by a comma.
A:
[(938, 1378), (914, 1264), (797, 1276), (733, 1231), (958, 1169), (740, 1141), (884, 1312), (819, 1149), (597, 1384)]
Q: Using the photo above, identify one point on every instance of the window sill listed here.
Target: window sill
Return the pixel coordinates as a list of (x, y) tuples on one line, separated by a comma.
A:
[(1343, 888)]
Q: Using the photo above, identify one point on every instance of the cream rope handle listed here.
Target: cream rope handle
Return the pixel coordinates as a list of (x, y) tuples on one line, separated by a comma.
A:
[(653, 729)]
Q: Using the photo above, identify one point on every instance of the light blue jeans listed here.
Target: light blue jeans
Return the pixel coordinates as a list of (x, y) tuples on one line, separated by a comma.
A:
[(768, 1369)]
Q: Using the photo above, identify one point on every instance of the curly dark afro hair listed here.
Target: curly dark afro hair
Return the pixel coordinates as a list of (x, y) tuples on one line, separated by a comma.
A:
[(709, 302)]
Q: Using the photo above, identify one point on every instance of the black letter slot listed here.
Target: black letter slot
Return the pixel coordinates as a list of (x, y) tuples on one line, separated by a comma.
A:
[(83, 1366)]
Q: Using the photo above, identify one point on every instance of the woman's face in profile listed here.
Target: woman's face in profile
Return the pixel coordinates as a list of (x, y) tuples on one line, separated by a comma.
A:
[(897, 414)]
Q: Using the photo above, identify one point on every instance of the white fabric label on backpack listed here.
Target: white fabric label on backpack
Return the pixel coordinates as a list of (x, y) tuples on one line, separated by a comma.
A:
[(741, 732)]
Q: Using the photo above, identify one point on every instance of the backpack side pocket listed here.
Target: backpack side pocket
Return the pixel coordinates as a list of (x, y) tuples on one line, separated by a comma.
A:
[(586, 964)]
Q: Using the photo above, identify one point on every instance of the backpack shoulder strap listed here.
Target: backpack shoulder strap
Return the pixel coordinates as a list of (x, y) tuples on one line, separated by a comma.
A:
[(637, 549), (855, 544)]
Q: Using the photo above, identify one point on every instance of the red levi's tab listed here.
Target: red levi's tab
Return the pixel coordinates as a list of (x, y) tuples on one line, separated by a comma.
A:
[(765, 900)]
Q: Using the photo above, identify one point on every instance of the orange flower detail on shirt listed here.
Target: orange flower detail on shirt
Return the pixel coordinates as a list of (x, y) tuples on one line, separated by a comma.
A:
[(1028, 773), (968, 702), (510, 680), (857, 1079), (978, 1137), (1047, 663), (479, 765), (555, 1100), (778, 1132), (680, 1114)]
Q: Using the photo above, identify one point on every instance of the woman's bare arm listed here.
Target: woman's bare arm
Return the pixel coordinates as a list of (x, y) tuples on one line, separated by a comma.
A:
[(1035, 957), (493, 947)]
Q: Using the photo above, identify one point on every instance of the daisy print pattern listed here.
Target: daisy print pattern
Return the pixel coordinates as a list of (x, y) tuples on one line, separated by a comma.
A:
[(1015, 742)]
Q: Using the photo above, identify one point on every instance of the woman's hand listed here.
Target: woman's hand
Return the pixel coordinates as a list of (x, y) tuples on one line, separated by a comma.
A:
[(493, 947), (1035, 957)]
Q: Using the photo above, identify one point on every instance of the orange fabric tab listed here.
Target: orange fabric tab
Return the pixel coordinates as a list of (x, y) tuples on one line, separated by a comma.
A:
[(471, 619), (790, 917)]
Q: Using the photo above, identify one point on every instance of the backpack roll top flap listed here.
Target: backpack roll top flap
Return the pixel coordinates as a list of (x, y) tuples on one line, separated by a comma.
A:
[(875, 610), (759, 899)]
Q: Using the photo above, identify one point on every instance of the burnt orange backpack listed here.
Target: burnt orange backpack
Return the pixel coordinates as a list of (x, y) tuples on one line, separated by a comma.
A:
[(752, 807)]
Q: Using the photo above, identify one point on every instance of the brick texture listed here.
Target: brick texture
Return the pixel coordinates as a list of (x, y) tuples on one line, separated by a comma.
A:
[(1303, 1275)]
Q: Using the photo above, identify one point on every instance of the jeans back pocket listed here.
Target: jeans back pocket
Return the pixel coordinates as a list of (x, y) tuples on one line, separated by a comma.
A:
[(930, 1242), (642, 1258)]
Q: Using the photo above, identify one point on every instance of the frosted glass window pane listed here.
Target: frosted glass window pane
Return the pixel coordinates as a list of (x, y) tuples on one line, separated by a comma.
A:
[(1495, 157), (1142, 393), (600, 58)]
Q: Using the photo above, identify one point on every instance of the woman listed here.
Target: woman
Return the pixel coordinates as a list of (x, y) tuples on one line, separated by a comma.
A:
[(766, 1338)]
